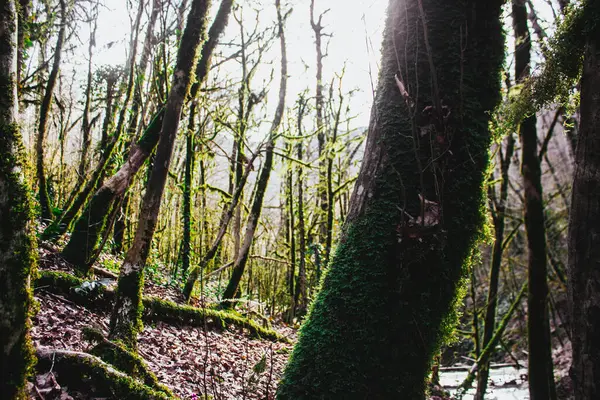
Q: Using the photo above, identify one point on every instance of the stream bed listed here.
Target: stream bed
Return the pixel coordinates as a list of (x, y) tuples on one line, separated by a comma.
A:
[(506, 383)]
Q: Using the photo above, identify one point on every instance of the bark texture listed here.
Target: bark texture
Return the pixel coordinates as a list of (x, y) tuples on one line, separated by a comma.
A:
[(126, 316), (541, 376), (584, 226), (44, 198), (416, 209), (17, 243)]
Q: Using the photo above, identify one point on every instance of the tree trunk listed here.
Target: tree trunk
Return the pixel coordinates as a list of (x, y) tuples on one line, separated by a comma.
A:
[(322, 195), (17, 238), (584, 227), (84, 245), (126, 316), (498, 211), (87, 240), (214, 33), (86, 126), (44, 198), (263, 179), (541, 378), (389, 293)]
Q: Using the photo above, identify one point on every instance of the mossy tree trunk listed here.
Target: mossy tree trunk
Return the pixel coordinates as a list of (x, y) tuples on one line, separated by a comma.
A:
[(541, 378), (261, 185), (391, 288), (300, 295), (44, 198), (323, 201), (584, 226), (126, 316), (498, 207), (17, 240), (84, 245), (95, 222), (202, 68)]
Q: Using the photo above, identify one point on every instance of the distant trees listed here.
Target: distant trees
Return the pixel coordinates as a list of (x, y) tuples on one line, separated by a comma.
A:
[(388, 296), (17, 241)]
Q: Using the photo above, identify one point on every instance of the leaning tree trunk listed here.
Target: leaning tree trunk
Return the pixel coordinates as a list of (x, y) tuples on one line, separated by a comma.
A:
[(202, 68), (17, 240), (263, 179), (584, 226), (126, 316), (541, 378), (87, 239), (107, 145), (389, 294), (44, 198)]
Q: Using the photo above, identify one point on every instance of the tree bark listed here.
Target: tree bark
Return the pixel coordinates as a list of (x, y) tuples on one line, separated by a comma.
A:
[(584, 226), (126, 316), (498, 213), (541, 377), (389, 293), (84, 246), (214, 33), (44, 198), (17, 238)]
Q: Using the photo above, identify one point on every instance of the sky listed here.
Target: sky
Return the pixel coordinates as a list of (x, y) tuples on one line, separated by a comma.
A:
[(355, 25)]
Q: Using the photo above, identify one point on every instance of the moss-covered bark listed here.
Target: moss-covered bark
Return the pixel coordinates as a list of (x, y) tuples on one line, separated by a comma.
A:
[(541, 377), (89, 374), (86, 241), (17, 242), (123, 359), (387, 298), (44, 198), (125, 318), (584, 226)]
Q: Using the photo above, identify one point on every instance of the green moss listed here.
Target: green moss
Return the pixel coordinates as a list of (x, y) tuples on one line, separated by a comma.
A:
[(123, 359), (389, 295), (155, 309), (89, 374), (126, 319), (17, 246), (169, 312)]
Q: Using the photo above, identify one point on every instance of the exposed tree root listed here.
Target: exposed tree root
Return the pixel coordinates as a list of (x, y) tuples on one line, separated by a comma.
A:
[(123, 359), (87, 373), (96, 296)]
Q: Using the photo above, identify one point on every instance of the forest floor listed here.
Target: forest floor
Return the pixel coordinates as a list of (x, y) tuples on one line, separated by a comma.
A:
[(191, 361)]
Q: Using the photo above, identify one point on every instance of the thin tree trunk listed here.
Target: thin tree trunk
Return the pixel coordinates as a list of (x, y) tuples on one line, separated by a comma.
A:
[(95, 222), (18, 252), (322, 195), (541, 377), (498, 212), (584, 226), (263, 179), (23, 12), (201, 73), (86, 126), (126, 316), (415, 213), (44, 198)]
